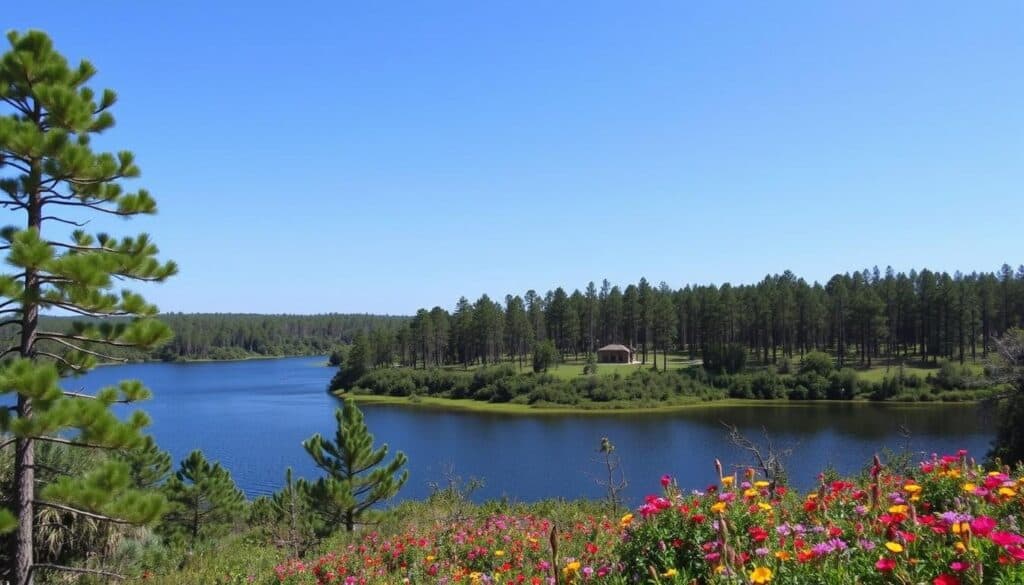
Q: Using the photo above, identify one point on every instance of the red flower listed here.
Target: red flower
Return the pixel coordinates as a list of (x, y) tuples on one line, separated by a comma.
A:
[(885, 564), (946, 579)]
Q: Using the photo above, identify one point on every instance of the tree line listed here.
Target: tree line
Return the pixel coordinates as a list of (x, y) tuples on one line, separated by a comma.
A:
[(858, 317), (218, 336)]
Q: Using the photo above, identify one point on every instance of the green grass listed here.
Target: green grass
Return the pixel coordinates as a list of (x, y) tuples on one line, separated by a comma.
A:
[(527, 409)]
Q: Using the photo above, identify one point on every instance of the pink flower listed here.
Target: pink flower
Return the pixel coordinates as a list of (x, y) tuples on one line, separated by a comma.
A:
[(1006, 538), (958, 566), (946, 579), (885, 564), (665, 480), (982, 525)]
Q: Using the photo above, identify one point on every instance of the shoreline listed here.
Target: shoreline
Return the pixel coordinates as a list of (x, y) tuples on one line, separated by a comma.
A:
[(214, 361), (506, 408)]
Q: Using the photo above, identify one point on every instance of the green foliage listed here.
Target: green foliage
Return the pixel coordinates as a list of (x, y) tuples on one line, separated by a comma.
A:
[(544, 356), (148, 465), (286, 519), (356, 364), (728, 358), (817, 362), (50, 174), (356, 476), (590, 366), (1008, 368), (205, 502)]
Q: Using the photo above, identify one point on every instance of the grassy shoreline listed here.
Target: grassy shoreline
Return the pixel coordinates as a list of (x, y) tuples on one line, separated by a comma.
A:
[(507, 408)]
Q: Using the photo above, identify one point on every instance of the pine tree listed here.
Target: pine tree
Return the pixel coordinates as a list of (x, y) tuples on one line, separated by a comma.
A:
[(51, 178), (149, 465), (356, 478), (291, 511), (204, 500)]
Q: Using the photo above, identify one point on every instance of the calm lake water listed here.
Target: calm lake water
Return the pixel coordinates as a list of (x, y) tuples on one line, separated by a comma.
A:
[(253, 415)]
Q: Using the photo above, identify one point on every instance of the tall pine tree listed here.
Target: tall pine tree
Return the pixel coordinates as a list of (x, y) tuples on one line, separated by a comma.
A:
[(53, 183)]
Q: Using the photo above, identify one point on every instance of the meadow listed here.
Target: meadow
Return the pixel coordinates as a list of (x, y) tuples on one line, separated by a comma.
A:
[(943, 521)]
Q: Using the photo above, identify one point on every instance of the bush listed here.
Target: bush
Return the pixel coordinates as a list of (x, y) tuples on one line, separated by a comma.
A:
[(817, 362)]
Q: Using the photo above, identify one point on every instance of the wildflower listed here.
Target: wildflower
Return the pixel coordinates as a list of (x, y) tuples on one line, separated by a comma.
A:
[(912, 489), (728, 480), (625, 520), (761, 575), (894, 547), (752, 493), (1007, 492), (885, 564), (718, 507), (761, 484), (670, 573), (764, 507), (666, 480), (783, 555), (499, 553), (946, 579)]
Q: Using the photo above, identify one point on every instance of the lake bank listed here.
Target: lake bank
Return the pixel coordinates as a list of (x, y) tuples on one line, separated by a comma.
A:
[(509, 408)]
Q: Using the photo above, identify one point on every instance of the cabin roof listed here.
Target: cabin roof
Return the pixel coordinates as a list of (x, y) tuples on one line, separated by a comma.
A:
[(615, 347)]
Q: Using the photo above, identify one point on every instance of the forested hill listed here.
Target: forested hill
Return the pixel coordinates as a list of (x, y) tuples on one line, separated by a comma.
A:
[(218, 336)]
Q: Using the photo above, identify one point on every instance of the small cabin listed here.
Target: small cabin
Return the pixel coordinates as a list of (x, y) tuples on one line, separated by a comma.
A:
[(615, 353)]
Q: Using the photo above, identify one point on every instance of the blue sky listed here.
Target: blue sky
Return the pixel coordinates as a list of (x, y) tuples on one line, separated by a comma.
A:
[(379, 157)]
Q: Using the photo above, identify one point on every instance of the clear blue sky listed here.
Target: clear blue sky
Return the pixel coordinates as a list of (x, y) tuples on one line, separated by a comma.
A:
[(379, 157)]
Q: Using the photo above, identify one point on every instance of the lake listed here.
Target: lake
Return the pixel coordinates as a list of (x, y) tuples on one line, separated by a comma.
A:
[(253, 415)]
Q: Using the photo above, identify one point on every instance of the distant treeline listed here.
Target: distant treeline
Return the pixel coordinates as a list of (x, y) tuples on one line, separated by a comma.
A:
[(856, 317), (219, 336)]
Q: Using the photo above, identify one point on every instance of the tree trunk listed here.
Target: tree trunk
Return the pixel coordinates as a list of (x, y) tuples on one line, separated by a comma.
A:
[(24, 458)]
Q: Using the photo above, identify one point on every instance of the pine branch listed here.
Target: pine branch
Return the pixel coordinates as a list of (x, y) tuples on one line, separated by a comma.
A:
[(81, 248), (57, 358), (66, 569), (91, 397), (67, 221), (72, 443), (92, 515), (97, 206), (84, 312), (8, 442), (87, 351), (55, 336)]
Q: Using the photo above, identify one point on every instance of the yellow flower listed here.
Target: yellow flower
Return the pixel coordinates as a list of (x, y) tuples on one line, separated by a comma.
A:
[(571, 570), (894, 547), (719, 569), (499, 553), (750, 493), (761, 575), (718, 507), (728, 480), (970, 487), (959, 546), (783, 555), (960, 528), (912, 489), (953, 473), (670, 573), (430, 558), (625, 520), (898, 509), (1007, 492), (764, 507), (761, 484)]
